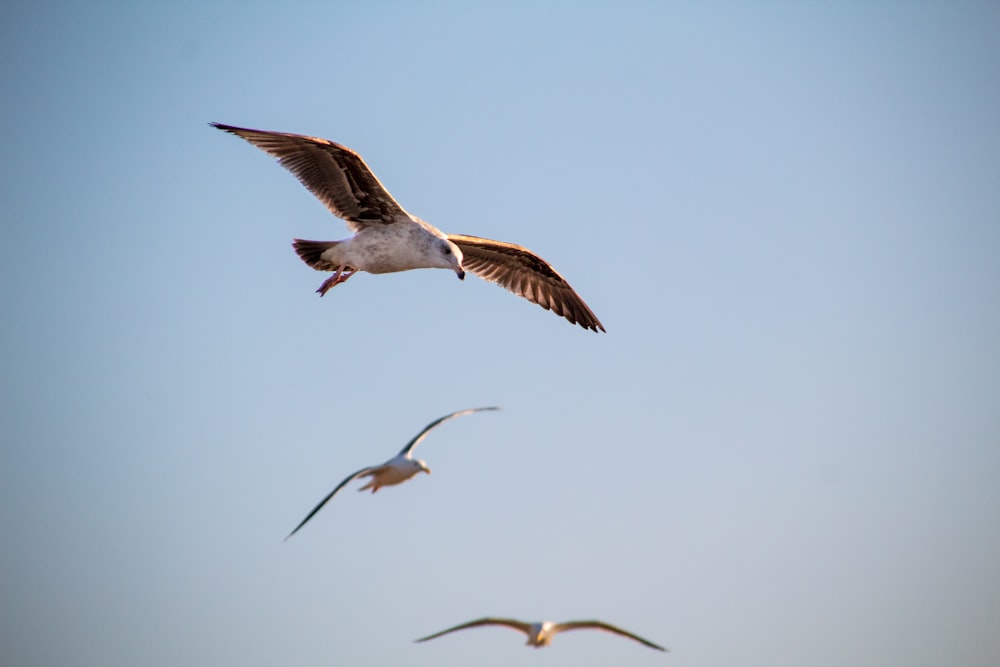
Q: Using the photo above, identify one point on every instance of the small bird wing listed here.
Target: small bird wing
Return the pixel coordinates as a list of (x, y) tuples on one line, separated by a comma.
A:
[(489, 620), (335, 174), (405, 451), (607, 627), (331, 495), (524, 273)]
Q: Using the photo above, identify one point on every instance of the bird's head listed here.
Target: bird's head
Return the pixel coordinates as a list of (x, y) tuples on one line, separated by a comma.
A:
[(421, 466), (451, 257)]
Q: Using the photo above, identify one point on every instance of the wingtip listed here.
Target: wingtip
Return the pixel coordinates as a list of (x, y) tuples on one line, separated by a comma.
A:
[(231, 129)]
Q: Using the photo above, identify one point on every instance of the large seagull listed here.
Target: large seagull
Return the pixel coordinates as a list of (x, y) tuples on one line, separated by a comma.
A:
[(387, 238), (396, 470), (541, 633)]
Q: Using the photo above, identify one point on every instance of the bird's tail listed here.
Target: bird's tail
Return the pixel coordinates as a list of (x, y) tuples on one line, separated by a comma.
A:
[(311, 252)]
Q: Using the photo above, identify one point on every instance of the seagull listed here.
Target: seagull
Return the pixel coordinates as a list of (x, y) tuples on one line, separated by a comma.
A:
[(541, 634), (396, 470), (387, 238)]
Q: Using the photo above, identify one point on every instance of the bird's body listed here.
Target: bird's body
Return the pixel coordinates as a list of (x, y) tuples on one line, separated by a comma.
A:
[(396, 470), (386, 249), (541, 633), (388, 239)]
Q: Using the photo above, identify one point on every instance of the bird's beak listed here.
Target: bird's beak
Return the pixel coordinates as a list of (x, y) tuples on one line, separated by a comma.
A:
[(460, 273), (427, 470)]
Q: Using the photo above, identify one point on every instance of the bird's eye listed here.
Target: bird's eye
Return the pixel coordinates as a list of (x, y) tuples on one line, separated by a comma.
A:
[(447, 250)]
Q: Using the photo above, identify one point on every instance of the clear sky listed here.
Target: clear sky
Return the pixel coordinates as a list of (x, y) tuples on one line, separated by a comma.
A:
[(784, 451)]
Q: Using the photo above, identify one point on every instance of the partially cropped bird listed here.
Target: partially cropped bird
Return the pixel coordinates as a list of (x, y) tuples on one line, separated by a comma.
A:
[(387, 238)]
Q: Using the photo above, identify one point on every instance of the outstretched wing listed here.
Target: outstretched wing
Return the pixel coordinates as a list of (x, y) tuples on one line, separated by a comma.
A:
[(506, 622), (405, 451), (331, 495), (525, 274), (335, 174), (607, 627)]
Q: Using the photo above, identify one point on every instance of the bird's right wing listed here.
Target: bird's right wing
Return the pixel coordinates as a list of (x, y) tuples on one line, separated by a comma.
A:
[(331, 495), (489, 620), (337, 175)]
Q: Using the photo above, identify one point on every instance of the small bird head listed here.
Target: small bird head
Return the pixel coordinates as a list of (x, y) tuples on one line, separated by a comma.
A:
[(422, 466), (452, 257)]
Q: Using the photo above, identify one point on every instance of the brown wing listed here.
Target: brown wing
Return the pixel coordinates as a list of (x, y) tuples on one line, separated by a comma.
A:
[(607, 627), (506, 622), (525, 274), (335, 174)]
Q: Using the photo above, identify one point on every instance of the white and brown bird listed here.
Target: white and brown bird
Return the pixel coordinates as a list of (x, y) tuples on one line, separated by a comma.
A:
[(388, 239), (396, 470), (540, 634)]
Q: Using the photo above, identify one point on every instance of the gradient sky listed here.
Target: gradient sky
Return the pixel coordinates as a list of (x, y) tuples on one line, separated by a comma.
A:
[(784, 451)]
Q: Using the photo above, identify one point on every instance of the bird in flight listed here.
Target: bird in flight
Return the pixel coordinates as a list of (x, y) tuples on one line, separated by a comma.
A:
[(396, 470), (540, 634), (387, 238)]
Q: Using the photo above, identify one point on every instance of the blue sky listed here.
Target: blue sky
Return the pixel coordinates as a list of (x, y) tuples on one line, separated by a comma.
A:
[(784, 451)]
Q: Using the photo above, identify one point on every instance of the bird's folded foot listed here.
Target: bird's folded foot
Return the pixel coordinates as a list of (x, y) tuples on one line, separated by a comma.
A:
[(340, 276)]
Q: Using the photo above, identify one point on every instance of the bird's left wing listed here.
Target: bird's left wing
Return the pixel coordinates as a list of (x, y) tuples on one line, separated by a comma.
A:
[(607, 627), (525, 274), (420, 436)]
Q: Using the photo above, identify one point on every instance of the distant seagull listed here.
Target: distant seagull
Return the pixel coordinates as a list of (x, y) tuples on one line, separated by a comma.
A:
[(389, 239), (541, 634), (394, 471)]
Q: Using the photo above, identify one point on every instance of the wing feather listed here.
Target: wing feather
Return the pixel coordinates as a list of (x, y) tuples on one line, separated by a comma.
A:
[(330, 495), (527, 275), (427, 429), (335, 174), (506, 622), (607, 627)]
